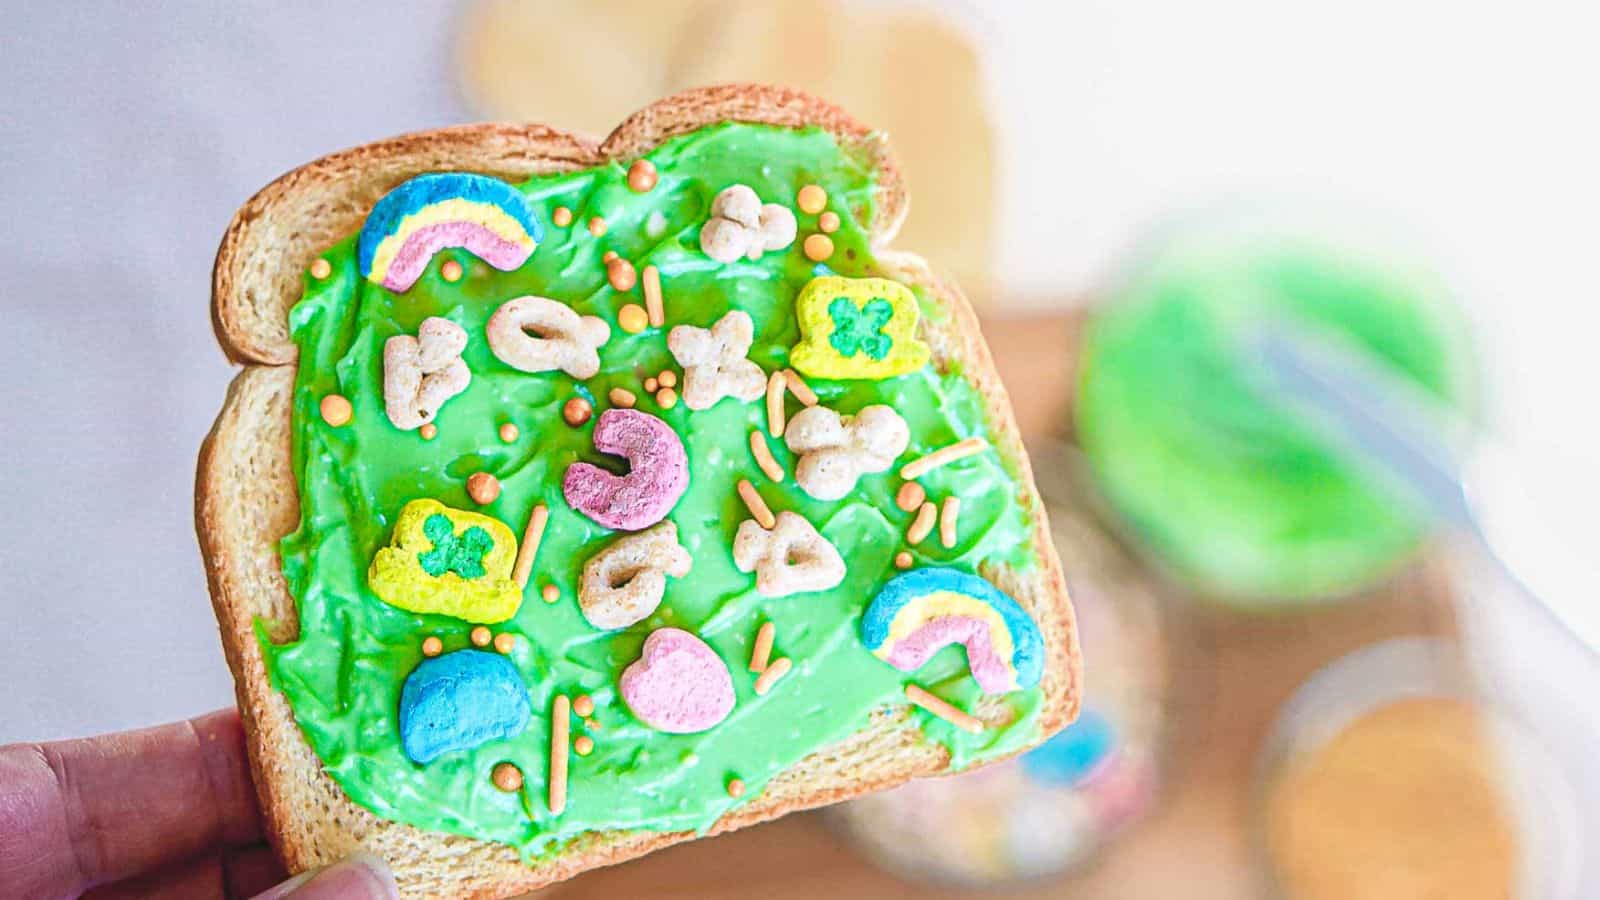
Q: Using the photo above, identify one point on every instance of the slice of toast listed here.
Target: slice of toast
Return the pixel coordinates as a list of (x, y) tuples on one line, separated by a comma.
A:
[(246, 495)]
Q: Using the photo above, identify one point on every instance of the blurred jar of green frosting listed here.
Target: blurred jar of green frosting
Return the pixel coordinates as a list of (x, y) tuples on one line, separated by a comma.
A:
[(1240, 499)]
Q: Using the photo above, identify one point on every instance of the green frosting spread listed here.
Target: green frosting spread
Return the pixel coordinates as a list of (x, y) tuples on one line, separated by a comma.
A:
[(1239, 496), (343, 674)]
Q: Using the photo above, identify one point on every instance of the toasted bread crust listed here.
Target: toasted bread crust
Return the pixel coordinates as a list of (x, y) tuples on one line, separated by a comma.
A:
[(246, 495)]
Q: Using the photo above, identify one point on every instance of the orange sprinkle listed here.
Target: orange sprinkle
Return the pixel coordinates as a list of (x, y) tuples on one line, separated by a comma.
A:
[(642, 175), (828, 222), (812, 199), (480, 636), (922, 525), (576, 411), (651, 385), (942, 456), (508, 432), (652, 297), (432, 646), (948, 510), (757, 506), (531, 536), (902, 560), (550, 593), (336, 409), (735, 788), (764, 458), (667, 398), (597, 226), (608, 256), (910, 496), (762, 651), (770, 675), (621, 274), (483, 488), (583, 745), (428, 432), (818, 247), (583, 705), (799, 388), (943, 710), (505, 642), (668, 378), (321, 268), (622, 397), (561, 216), (632, 318), (776, 385), (507, 777), (450, 271), (560, 725)]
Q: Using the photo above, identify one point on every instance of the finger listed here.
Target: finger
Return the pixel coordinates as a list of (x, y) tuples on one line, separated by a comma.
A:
[(248, 871), (361, 877), (76, 814), (240, 872)]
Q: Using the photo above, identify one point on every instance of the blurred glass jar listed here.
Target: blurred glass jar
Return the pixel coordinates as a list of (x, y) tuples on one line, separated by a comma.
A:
[(1391, 774), (1054, 808), (1235, 497)]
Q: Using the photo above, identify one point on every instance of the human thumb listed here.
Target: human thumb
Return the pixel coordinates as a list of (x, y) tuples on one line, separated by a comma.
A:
[(361, 877)]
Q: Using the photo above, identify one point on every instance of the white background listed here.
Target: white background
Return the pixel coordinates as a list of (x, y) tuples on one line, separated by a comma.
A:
[(133, 131)]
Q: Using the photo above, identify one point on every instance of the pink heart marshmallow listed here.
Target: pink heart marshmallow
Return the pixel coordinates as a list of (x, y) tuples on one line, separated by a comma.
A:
[(678, 684)]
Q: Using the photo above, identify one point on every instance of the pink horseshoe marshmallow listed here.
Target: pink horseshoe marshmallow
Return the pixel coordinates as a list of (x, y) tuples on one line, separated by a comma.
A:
[(658, 472)]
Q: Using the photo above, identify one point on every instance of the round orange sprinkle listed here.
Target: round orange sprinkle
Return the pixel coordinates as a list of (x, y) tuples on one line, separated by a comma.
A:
[(428, 431), (650, 385), (483, 488), (480, 636), (432, 646), (576, 411), (561, 216), (666, 398), (507, 777), (550, 593), (583, 705), (591, 724), (828, 222), (812, 199), (336, 410), (505, 642), (609, 256), (583, 745), (321, 268), (818, 247), (508, 432), (910, 496), (621, 274), (632, 318), (668, 378), (902, 560), (622, 397), (597, 226), (642, 175), (450, 271), (735, 788)]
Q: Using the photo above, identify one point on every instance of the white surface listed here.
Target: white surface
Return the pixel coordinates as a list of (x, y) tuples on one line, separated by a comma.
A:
[(133, 131)]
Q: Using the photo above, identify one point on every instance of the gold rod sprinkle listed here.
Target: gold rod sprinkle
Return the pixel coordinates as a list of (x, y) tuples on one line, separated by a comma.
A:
[(758, 507), (943, 710), (763, 648), (560, 724), (942, 456), (531, 536), (770, 675)]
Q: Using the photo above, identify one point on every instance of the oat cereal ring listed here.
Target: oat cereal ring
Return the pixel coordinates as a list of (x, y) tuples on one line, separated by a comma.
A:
[(835, 451), (420, 373), (714, 363), (537, 334), (791, 558), (741, 226), (624, 583)]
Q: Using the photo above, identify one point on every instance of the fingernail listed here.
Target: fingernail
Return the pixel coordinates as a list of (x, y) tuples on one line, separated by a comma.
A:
[(361, 877)]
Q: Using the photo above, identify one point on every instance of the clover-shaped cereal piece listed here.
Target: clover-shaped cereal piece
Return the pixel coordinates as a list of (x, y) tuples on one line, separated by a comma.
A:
[(624, 583), (791, 558), (835, 451), (714, 363), (420, 373), (857, 328), (741, 226), (537, 334)]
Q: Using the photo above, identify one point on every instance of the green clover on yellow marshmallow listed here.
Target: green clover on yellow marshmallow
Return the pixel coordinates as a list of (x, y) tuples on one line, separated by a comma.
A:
[(857, 328), (448, 561)]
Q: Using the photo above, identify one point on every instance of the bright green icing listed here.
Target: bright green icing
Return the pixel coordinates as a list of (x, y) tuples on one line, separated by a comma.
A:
[(1234, 493), (343, 675)]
